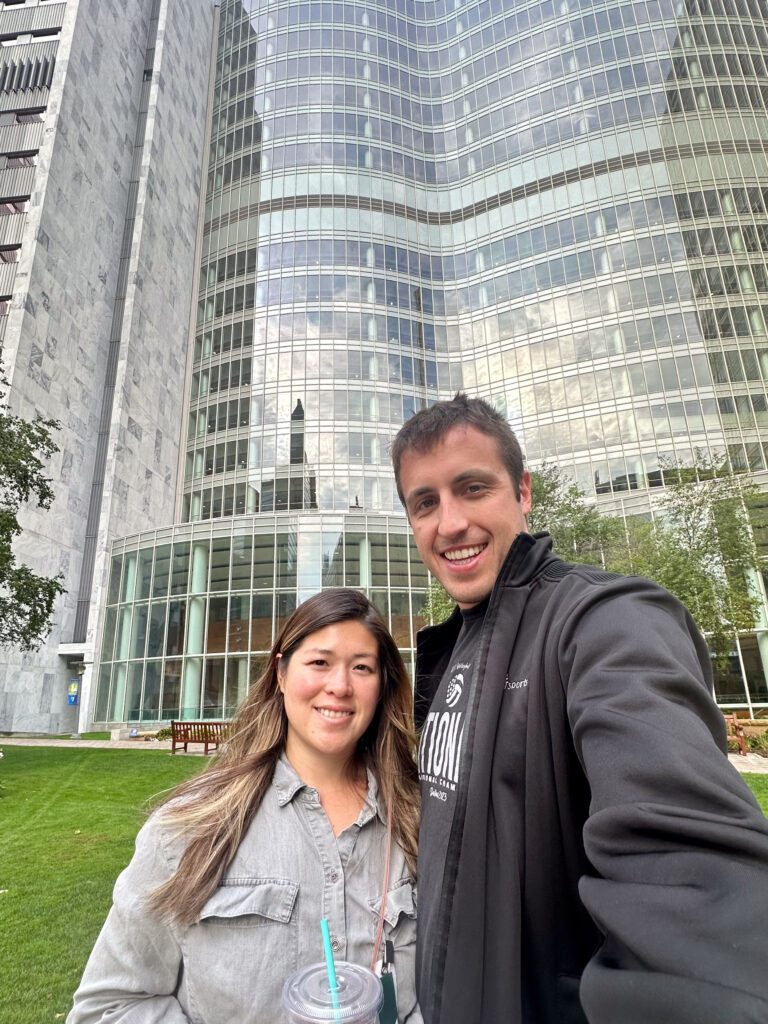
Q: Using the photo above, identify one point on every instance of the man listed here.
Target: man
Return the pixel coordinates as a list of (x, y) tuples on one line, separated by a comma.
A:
[(587, 853)]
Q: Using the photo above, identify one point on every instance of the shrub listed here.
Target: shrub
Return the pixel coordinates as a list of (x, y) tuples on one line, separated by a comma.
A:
[(758, 744)]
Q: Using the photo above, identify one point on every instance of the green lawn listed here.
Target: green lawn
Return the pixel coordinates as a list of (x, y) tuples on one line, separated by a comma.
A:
[(69, 818), (759, 786)]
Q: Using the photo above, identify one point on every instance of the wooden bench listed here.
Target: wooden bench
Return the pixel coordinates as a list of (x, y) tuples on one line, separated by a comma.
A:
[(210, 734), (735, 731)]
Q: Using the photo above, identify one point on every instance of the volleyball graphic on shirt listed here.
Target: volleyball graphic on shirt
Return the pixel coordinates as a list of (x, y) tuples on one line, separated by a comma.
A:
[(453, 693)]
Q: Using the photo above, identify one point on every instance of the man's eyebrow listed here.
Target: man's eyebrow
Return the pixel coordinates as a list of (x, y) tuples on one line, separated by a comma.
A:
[(458, 480), (417, 492), (473, 474)]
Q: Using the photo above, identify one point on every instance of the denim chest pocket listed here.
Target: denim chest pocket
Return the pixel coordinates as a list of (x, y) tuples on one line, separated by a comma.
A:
[(242, 948), (252, 903), (400, 930), (401, 905)]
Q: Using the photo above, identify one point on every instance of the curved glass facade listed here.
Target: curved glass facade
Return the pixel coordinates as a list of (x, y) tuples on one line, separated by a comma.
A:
[(561, 206), (192, 610)]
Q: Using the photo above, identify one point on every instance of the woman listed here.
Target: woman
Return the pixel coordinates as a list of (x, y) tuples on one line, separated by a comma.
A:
[(230, 879)]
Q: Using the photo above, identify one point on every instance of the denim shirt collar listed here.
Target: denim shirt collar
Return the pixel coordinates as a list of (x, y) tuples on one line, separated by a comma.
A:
[(287, 784)]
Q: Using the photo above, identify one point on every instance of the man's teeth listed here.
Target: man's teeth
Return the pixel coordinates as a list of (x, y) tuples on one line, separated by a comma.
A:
[(327, 713), (456, 556)]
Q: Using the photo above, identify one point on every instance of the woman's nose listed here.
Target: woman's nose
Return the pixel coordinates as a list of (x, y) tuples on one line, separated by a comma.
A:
[(339, 680)]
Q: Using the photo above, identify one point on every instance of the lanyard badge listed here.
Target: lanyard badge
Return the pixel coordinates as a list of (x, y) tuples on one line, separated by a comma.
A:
[(388, 1012)]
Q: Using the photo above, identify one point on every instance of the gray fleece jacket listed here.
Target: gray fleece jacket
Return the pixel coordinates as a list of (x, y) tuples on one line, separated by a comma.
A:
[(605, 863)]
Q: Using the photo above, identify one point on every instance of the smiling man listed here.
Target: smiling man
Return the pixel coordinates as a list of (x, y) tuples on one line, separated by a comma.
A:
[(586, 853)]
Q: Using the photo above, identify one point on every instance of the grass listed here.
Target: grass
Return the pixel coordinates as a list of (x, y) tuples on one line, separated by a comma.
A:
[(759, 786), (69, 820)]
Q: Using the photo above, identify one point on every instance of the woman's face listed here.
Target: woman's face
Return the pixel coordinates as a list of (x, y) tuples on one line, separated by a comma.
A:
[(331, 687)]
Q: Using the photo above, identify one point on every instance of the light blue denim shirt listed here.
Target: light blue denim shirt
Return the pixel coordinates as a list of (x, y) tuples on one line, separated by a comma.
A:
[(261, 924)]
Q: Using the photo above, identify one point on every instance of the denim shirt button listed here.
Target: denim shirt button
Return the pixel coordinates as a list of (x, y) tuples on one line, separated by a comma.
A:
[(335, 945), (335, 876)]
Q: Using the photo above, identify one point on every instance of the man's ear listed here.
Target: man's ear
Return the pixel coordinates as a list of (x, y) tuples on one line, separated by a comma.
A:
[(525, 492)]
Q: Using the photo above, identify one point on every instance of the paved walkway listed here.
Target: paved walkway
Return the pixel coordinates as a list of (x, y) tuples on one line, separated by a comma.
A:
[(49, 741), (748, 763)]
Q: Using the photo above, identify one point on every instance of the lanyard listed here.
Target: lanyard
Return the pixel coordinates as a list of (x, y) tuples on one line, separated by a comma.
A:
[(385, 890), (388, 1014)]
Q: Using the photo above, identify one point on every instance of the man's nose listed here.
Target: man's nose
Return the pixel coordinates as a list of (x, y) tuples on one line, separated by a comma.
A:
[(453, 519)]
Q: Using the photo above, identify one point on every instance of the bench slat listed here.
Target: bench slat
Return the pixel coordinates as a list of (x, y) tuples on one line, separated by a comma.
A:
[(208, 733)]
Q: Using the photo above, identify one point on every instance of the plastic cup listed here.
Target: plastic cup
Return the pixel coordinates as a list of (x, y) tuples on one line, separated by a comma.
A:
[(308, 999)]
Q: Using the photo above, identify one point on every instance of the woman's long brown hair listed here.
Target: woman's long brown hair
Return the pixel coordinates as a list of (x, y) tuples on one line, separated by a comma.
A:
[(213, 811)]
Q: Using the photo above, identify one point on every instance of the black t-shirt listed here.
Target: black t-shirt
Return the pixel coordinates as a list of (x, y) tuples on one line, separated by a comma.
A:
[(440, 751)]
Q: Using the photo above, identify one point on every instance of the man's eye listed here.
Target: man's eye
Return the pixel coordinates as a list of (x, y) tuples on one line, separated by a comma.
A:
[(425, 505)]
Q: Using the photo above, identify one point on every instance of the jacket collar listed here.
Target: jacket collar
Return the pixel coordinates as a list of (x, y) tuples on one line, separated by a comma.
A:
[(523, 563), (527, 558)]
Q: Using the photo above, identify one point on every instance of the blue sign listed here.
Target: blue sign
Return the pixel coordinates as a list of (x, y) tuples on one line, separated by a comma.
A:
[(73, 691)]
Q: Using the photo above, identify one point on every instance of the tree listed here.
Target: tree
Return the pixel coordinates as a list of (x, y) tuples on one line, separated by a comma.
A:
[(579, 532), (701, 548), (26, 599), (700, 545), (437, 603)]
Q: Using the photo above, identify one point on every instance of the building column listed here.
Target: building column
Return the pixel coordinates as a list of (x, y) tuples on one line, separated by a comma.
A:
[(757, 581), (365, 562), (195, 638)]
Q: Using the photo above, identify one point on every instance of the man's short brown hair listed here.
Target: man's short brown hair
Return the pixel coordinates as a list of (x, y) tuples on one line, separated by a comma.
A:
[(425, 430)]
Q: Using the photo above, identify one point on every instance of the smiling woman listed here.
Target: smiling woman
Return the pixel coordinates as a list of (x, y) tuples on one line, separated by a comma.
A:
[(331, 686), (309, 810)]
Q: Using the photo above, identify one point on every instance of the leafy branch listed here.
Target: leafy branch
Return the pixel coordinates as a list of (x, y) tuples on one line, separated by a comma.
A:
[(26, 599)]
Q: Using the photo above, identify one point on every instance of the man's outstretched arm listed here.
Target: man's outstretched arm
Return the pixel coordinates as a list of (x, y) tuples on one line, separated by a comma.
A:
[(678, 844)]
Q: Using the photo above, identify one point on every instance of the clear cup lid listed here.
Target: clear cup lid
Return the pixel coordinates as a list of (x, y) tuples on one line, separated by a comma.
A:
[(308, 998)]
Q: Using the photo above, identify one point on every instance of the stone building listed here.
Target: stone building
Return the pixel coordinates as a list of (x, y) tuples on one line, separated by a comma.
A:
[(102, 132)]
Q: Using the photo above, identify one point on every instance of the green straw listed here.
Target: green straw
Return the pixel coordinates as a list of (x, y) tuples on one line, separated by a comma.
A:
[(333, 982)]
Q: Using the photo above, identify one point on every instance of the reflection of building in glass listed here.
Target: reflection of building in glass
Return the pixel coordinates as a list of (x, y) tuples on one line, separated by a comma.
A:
[(291, 488), (559, 206)]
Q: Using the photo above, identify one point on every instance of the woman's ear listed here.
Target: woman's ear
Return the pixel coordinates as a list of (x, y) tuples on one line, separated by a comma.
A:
[(280, 673)]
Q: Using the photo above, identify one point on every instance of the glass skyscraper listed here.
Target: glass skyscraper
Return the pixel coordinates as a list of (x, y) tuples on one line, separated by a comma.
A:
[(560, 206)]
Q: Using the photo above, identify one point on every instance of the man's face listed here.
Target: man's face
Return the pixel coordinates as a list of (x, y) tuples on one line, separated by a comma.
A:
[(463, 511)]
